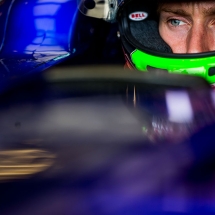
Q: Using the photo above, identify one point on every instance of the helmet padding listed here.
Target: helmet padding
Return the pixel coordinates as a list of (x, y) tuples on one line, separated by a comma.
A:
[(146, 32)]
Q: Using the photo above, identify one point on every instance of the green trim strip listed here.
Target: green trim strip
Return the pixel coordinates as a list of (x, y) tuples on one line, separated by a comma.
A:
[(195, 66)]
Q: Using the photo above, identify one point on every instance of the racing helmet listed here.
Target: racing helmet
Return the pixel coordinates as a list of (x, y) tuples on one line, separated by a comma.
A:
[(143, 47)]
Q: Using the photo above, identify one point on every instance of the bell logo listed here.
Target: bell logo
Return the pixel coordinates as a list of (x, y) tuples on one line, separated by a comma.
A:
[(138, 16)]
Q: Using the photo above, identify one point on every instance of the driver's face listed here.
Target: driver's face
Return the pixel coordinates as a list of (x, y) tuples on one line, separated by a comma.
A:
[(188, 27)]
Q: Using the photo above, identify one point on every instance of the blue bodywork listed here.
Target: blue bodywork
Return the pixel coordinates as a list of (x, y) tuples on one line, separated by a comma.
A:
[(35, 35)]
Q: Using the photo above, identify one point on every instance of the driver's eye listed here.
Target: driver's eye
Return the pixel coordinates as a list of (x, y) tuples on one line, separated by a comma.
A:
[(176, 22)]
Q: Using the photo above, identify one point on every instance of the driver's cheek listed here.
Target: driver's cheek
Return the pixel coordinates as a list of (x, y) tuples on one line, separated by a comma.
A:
[(175, 37), (211, 39), (185, 39), (199, 39)]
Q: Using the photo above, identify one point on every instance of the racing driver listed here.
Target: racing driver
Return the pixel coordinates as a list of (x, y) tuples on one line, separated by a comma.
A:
[(171, 36)]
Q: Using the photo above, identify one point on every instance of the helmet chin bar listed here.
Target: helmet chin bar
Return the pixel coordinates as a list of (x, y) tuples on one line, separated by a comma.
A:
[(203, 66)]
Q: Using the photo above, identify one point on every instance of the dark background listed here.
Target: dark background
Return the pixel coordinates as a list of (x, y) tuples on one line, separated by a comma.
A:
[(97, 41)]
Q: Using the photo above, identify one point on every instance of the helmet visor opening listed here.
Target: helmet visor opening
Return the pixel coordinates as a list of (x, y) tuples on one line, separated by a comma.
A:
[(140, 23)]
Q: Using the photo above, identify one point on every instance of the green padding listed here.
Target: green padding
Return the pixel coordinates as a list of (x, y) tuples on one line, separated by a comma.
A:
[(195, 66)]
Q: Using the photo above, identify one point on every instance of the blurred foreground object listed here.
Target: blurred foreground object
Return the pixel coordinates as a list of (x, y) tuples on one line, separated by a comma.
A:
[(102, 140)]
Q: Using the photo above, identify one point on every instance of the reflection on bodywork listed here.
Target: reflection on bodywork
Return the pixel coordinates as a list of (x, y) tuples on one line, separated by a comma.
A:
[(35, 35), (46, 45), (21, 163), (180, 116), (179, 106)]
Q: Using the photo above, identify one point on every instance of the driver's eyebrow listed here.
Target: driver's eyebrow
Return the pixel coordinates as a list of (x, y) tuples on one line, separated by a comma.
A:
[(180, 12), (209, 11)]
